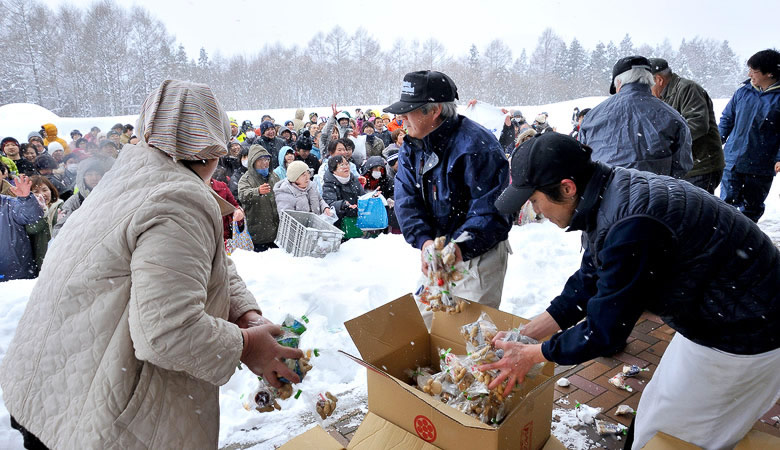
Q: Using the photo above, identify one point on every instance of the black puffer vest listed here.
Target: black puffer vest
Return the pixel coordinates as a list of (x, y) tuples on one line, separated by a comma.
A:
[(722, 282)]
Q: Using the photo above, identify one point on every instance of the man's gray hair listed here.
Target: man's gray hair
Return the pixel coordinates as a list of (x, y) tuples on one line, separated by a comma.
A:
[(448, 109), (666, 73), (635, 75)]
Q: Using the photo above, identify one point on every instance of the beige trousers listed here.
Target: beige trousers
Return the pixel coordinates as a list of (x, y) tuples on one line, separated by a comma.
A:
[(487, 284)]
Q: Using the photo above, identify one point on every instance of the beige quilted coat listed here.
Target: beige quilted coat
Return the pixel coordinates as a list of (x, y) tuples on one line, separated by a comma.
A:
[(127, 333)]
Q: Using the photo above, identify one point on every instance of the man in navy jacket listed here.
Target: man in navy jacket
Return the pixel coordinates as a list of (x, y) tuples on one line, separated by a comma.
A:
[(750, 127), (450, 172), (658, 244)]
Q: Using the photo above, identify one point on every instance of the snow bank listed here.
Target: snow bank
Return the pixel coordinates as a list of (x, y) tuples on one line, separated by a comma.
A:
[(19, 119)]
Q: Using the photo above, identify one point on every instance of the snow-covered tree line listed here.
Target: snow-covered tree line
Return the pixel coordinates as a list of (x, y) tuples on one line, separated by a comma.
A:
[(104, 59)]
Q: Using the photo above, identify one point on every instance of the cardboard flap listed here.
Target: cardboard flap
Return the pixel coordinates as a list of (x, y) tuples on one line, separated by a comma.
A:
[(314, 438), (448, 326), (756, 440), (376, 433), (364, 364), (376, 334), (663, 441)]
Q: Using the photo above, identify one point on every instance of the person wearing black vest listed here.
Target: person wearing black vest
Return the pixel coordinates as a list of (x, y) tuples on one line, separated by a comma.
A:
[(659, 244)]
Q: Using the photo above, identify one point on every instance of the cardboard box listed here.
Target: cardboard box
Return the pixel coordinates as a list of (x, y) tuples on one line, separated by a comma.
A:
[(754, 440), (393, 338), (375, 433)]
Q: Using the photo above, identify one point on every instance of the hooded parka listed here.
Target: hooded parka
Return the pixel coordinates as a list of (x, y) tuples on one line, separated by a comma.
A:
[(262, 218)]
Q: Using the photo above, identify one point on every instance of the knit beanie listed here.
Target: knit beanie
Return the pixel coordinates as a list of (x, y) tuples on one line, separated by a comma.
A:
[(296, 169), (266, 125)]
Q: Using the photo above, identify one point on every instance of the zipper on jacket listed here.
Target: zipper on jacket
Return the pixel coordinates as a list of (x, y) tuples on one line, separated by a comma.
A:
[(422, 179)]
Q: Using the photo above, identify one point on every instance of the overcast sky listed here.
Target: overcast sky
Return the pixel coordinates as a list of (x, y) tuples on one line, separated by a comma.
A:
[(243, 26)]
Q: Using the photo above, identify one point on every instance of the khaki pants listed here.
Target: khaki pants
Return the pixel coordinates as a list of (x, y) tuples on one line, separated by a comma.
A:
[(486, 286)]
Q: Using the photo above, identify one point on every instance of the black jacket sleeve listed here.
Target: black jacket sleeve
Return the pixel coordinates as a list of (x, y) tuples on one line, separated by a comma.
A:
[(632, 262), (569, 308), (507, 136)]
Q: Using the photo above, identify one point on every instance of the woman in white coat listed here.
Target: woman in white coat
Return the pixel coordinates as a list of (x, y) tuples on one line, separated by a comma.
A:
[(138, 314)]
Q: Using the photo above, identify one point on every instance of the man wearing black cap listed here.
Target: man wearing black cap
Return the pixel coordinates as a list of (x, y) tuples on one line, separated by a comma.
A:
[(303, 151), (450, 172), (636, 130), (694, 104), (657, 244)]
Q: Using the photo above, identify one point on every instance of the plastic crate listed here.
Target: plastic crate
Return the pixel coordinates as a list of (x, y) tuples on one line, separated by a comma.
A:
[(305, 234)]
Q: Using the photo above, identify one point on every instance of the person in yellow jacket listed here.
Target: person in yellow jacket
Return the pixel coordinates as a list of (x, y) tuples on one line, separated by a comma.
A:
[(51, 136)]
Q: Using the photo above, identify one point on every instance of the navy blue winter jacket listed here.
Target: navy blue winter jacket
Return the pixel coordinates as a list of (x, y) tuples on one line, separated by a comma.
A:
[(16, 254), (635, 130), (750, 127), (659, 244), (448, 183)]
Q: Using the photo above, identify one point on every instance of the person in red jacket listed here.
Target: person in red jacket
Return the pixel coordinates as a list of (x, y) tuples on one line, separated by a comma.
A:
[(237, 215)]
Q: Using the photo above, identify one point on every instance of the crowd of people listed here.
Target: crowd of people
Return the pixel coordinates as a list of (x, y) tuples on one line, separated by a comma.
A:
[(652, 241)]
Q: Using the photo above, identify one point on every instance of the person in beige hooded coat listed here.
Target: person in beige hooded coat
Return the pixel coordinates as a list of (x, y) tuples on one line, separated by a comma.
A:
[(139, 315)]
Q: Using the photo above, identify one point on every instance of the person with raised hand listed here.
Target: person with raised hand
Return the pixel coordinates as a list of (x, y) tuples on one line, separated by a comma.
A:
[(16, 253)]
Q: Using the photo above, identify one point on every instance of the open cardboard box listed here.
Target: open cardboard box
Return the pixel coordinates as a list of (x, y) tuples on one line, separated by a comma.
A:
[(375, 433), (393, 338), (754, 440)]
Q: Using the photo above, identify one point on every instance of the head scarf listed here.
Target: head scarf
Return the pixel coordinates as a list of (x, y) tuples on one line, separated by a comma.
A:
[(184, 120)]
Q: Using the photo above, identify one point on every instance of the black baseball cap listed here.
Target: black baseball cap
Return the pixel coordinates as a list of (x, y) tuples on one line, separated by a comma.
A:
[(423, 87), (627, 63), (542, 161), (658, 64)]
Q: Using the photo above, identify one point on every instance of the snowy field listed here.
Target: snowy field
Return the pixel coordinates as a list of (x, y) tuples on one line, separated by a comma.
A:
[(362, 275)]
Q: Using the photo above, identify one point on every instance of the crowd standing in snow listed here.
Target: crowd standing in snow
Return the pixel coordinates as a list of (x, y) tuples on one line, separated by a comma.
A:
[(120, 206)]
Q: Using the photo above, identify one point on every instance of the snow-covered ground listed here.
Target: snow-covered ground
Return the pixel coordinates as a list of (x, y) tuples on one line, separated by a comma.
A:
[(362, 275)]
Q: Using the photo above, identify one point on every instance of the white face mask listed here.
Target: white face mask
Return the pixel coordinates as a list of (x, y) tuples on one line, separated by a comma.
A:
[(73, 168), (245, 162), (377, 174)]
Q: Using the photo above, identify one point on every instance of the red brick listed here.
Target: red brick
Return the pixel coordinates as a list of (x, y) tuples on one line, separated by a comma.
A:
[(565, 390), (766, 428), (661, 335), (647, 326), (608, 400), (636, 346), (623, 419), (337, 436), (667, 329), (609, 362), (593, 370), (586, 385), (774, 411), (650, 316), (603, 381), (651, 357), (644, 337), (633, 400), (579, 396), (631, 359), (637, 384), (658, 348)]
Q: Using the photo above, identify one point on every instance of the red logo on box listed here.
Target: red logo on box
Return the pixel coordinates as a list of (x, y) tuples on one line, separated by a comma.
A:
[(424, 428), (526, 440)]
